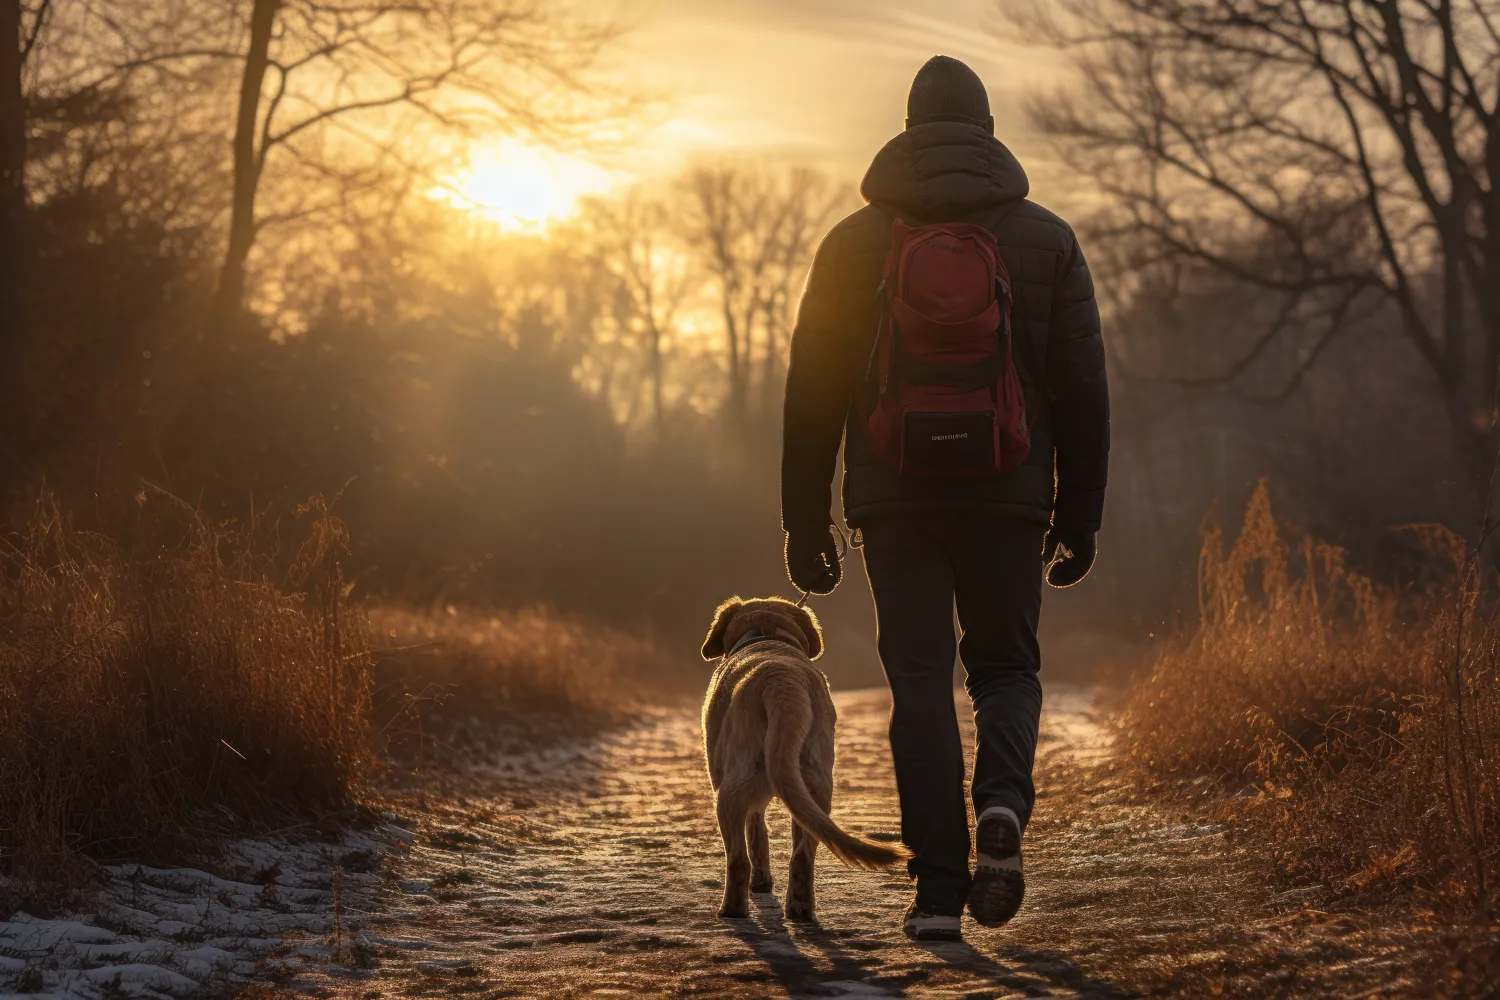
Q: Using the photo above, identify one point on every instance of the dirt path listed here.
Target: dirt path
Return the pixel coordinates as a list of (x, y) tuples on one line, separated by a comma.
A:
[(604, 883)]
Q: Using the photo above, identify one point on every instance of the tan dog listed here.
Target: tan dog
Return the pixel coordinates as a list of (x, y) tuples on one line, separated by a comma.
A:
[(768, 731)]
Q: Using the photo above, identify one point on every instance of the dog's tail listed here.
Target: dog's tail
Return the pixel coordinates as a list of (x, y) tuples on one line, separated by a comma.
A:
[(789, 713)]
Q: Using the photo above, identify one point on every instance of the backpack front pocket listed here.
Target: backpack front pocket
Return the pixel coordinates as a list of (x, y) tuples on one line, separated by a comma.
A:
[(949, 445)]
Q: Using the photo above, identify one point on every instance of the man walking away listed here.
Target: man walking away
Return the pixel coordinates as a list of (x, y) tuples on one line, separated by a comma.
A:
[(968, 388)]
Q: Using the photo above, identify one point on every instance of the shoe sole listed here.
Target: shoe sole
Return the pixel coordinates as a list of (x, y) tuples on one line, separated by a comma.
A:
[(999, 887), (934, 928)]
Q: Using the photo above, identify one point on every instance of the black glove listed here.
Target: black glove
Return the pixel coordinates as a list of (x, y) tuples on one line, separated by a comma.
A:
[(812, 558), (1068, 555)]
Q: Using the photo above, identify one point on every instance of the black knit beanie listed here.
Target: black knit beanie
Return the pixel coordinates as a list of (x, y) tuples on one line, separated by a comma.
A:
[(947, 90)]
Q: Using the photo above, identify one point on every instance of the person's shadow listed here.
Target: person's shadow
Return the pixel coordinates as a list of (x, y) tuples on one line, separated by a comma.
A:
[(850, 957), (1034, 972)]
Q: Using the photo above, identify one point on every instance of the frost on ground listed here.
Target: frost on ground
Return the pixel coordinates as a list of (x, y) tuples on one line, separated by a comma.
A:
[(173, 932), (590, 867)]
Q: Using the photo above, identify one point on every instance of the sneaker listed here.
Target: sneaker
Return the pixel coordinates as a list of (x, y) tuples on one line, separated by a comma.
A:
[(998, 885), (921, 926)]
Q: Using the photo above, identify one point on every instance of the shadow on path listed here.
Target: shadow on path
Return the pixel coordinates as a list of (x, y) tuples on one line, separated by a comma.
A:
[(767, 935), (1032, 972), (849, 963)]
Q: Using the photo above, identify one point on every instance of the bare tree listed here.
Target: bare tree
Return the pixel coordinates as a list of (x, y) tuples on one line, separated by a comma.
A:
[(812, 201), (754, 229), (1330, 154), (249, 160), (341, 94), (467, 66), (17, 37), (102, 116), (715, 227), (630, 240)]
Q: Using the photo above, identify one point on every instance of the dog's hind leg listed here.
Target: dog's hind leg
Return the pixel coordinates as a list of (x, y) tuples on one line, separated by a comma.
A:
[(760, 851), (732, 815), (800, 904), (799, 887)]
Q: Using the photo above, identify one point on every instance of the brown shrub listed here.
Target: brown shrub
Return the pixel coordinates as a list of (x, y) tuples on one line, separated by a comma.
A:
[(1368, 721), (461, 663), (149, 699)]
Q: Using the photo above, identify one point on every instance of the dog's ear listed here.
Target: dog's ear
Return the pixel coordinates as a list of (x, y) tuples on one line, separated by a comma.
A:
[(713, 646), (808, 623)]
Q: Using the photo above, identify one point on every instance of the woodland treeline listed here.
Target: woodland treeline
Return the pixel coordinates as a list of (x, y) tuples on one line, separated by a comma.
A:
[(246, 304), (232, 271), (1294, 221)]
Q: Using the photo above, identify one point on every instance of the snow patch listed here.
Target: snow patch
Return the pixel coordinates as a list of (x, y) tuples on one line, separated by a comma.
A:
[(178, 932)]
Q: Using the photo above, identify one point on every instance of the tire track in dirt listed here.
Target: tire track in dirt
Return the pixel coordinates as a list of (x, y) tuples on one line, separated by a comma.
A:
[(592, 869)]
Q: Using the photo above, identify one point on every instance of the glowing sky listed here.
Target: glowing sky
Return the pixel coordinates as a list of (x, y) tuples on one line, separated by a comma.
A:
[(819, 79), (815, 81)]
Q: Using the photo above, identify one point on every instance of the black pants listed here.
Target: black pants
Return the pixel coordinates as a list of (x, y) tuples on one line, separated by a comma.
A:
[(991, 568)]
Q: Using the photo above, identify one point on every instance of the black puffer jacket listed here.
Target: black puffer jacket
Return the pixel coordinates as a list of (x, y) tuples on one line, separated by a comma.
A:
[(948, 172)]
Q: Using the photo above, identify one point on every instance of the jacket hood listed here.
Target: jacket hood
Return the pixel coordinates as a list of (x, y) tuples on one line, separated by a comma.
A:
[(943, 172)]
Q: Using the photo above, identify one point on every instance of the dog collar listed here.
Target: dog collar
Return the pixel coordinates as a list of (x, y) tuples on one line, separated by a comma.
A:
[(758, 634)]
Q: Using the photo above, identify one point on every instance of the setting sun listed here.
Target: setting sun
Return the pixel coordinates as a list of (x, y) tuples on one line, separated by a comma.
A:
[(523, 187)]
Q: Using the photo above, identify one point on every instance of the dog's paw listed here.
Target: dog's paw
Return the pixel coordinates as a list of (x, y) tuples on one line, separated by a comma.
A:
[(734, 912), (766, 884)]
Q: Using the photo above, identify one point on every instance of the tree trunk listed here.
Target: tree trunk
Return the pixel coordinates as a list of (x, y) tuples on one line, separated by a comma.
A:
[(737, 395), (770, 368), (656, 407), (14, 242), (248, 158)]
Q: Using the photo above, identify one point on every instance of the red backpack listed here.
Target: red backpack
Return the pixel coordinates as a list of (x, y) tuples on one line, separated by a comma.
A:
[(943, 399)]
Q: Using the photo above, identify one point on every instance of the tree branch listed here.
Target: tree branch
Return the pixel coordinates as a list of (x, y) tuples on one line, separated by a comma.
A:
[(39, 21)]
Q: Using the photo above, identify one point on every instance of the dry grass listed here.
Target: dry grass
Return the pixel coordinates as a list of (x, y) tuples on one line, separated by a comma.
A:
[(1366, 721), (156, 696), (463, 668), (152, 698)]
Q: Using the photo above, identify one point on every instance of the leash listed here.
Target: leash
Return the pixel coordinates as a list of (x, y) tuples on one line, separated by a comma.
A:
[(847, 541)]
